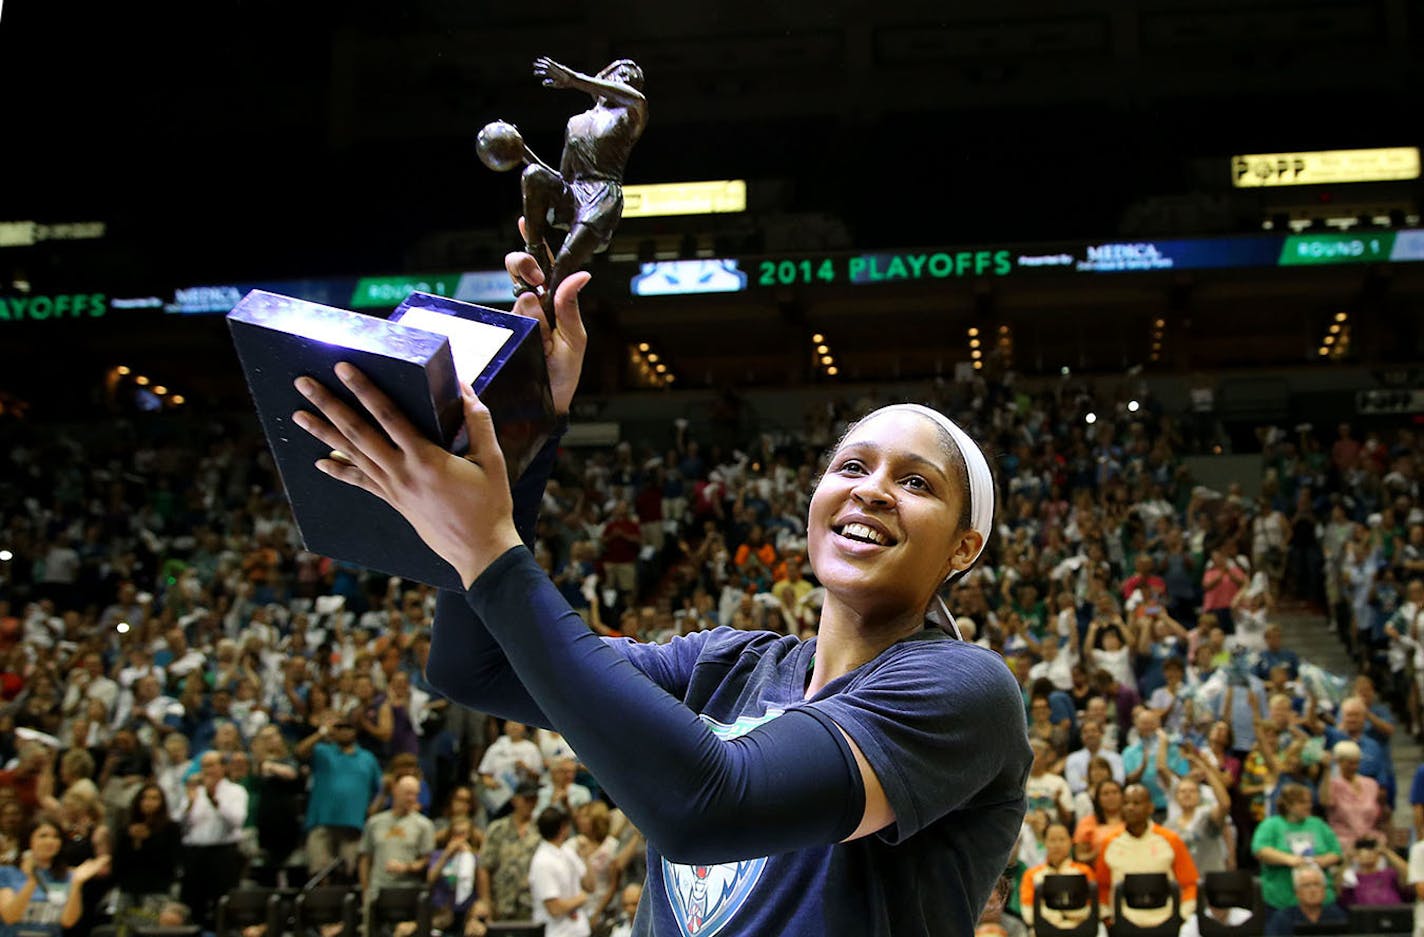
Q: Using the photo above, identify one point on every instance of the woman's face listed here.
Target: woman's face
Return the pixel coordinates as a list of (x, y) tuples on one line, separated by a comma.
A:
[(45, 842), (1097, 773), (462, 802), (1110, 797), (1057, 844), (1349, 767), (1112, 641), (882, 529), (1188, 794), (151, 802)]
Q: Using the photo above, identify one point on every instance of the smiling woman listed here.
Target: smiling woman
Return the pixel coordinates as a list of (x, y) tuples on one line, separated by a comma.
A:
[(869, 781)]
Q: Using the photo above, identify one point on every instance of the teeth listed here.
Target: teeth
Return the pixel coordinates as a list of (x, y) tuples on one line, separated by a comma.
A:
[(862, 532)]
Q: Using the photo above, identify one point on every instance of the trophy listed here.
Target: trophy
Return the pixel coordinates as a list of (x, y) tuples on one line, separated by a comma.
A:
[(415, 357), (584, 196)]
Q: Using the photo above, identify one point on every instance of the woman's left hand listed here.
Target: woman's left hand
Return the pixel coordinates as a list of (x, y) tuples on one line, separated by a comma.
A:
[(460, 507)]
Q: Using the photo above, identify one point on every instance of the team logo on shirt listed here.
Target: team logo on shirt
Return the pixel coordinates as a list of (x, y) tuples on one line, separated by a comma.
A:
[(704, 898)]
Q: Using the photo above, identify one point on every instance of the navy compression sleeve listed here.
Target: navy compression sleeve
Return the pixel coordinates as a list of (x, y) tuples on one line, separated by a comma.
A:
[(791, 783), (466, 664)]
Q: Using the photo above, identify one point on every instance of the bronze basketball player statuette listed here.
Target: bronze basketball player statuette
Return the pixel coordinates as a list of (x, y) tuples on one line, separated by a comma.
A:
[(585, 195)]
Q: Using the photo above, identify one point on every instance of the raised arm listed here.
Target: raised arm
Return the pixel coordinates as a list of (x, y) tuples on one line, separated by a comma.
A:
[(554, 75), (466, 664)]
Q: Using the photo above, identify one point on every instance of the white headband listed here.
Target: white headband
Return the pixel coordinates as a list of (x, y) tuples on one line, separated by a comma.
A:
[(981, 480)]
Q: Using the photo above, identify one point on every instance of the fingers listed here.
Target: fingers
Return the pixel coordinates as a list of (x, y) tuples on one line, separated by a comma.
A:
[(566, 308), (397, 427), (329, 433), (479, 425), (351, 475)]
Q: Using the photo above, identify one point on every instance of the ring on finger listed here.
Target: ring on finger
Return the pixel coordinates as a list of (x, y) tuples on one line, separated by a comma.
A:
[(522, 286)]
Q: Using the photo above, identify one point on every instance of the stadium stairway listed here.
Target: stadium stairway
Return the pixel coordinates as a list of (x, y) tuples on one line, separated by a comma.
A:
[(1310, 635)]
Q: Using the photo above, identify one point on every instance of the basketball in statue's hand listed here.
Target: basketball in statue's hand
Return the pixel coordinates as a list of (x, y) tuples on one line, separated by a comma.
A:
[(500, 146)]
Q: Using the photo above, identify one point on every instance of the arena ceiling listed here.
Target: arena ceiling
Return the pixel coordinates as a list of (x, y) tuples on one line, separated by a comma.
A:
[(242, 140)]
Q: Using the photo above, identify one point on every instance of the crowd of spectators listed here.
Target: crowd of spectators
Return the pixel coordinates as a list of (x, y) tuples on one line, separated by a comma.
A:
[(191, 701)]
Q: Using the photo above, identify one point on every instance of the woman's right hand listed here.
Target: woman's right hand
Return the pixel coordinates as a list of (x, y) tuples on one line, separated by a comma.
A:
[(27, 864)]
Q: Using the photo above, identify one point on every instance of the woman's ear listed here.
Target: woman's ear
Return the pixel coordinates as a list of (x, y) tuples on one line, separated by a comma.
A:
[(964, 552)]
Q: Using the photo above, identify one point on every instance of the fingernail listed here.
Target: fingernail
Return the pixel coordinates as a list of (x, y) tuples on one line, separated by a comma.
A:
[(345, 371), (300, 418), (306, 385)]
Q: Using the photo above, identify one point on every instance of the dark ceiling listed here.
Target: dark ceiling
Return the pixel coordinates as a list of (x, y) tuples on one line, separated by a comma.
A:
[(231, 140)]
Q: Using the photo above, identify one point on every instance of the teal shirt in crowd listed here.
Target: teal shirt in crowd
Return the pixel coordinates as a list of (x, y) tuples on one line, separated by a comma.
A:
[(343, 786)]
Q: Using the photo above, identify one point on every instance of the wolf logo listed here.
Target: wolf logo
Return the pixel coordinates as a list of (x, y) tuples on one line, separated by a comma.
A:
[(704, 898)]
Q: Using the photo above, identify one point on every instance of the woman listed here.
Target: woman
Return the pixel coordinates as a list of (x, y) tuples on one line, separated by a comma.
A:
[(81, 821), (147, 850), (1099, 770), (1292, 839), (174, 765), (1352, 801), (1041, 726), (1203, 827), (12, 832), (1106, 648), (461, 807), (276, 791), (404, 739), (1058, 860), (1094, 829), (318, 705), (856, 732), (43, 896), (597, 848), (452, 874)]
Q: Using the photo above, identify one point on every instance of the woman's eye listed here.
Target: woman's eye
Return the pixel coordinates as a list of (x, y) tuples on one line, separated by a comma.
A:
[(852, 465), (918, 483)]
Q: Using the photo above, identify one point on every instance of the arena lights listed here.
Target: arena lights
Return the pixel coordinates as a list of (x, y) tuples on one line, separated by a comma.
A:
[(822, 357), (162, 395), (1159, 328), (976, 354), (648, 368), (1006, 345), (1133, 406), (6, 556), (1090, 418), (1336, 341)]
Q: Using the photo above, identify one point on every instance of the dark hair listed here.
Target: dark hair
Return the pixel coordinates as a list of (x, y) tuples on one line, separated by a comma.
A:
[(58, 867), (551, 821), (1042, 687), (158, 821), (1098, 797)]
